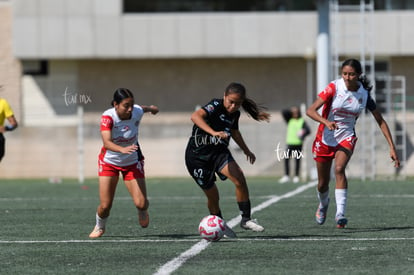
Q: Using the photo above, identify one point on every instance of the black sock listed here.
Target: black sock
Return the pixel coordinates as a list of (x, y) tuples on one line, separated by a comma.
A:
[(217, 214), (245, 210)]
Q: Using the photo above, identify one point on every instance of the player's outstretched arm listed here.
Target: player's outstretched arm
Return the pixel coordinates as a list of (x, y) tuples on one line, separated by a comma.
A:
[(387, 134), (152, 108)]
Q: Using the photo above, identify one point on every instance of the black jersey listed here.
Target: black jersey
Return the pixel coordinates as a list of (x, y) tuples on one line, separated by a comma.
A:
[(219, 120)]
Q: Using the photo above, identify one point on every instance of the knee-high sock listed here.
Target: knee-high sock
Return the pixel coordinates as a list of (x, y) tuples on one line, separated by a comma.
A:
[(340, 197), (101, 223), (323, 198), (245, 210)]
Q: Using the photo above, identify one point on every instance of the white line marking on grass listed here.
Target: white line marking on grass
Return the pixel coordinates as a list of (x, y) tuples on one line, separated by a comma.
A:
[(175, 263), (198, 242), (381, 196), (96, 241)]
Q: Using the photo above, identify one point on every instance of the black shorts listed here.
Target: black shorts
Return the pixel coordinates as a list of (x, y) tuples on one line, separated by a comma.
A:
[(294, 151), (2, 146), (203, 167)]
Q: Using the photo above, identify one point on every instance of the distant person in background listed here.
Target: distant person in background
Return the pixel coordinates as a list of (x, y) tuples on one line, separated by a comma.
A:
[(207, 152), (6, 113), (121, 153), (343, 100), (297, 130)]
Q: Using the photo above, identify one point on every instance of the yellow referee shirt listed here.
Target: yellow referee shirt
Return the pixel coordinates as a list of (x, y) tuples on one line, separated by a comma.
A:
[(5, 110)]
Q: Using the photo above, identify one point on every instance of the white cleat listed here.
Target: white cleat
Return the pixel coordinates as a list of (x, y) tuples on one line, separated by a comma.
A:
[(252, 225), (97, 232), (284, 179)]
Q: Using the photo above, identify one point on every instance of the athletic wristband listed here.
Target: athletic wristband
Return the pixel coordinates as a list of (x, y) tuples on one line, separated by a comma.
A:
[(9, 128)]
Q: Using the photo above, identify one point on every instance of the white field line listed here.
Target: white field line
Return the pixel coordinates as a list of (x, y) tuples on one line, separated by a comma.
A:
[(175, 263), (95, 241), (339, 239)]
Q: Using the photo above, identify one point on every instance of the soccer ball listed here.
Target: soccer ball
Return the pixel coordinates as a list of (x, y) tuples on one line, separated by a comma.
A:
[(211, 228)]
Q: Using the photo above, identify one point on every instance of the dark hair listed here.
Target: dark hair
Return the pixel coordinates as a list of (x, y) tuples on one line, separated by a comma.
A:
[(120, 94), (366, 83), (253, 109)]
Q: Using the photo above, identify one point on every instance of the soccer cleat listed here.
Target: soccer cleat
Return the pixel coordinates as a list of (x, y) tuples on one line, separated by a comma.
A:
[(341, 221), (143, 218), (97, 232), (320, 215), (228, 232), (296, 179), (252, 225), (284, 179)]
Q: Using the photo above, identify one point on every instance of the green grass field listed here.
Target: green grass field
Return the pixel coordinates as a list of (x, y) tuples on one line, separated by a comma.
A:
[(44, 229)]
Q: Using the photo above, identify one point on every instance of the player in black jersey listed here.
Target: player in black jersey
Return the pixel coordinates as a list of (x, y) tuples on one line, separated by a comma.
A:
[(207, 152)]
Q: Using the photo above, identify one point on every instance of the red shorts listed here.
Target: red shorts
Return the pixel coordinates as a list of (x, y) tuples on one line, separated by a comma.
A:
[(130, 172), (322, 152)]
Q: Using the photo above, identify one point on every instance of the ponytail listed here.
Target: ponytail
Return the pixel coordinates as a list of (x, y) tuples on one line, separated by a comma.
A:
[(366, 83), (254, 110)]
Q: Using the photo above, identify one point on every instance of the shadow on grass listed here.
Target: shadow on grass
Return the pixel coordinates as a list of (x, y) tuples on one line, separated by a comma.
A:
[(377, 229), (289, 237), (341, 232)]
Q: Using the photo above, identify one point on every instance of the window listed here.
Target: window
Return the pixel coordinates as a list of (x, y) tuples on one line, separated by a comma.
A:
[(151, 6), (382, 4), (381, 71), (35, 67), (131, 6)]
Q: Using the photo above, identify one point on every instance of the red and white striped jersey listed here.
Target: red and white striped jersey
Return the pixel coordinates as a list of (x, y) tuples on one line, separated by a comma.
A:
[(343, 107), (124, 133)]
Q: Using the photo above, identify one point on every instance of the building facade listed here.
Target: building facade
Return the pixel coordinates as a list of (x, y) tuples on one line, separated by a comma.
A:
[(63, 54)]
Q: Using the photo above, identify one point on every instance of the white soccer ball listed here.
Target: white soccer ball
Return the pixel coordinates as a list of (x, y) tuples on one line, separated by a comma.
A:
[(211, 228)]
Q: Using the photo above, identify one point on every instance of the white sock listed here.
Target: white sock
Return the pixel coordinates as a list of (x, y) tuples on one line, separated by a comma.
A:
[(100, 222), (340, 197), (324, 198)]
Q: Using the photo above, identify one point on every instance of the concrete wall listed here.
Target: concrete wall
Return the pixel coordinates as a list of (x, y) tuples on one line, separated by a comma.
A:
[(9, 66), (181, 84), (99, 29), (95, 28), (176, 85), (405, 66)]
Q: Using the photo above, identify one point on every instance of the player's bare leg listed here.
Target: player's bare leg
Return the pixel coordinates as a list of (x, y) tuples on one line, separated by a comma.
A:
[(213, 198), (138, 191), (324, 174), (107, 186), (213, 205), (342, 158), (236, 175)]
